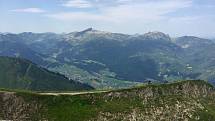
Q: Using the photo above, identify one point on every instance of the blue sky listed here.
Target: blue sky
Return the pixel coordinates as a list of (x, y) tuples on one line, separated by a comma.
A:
[(174, 17)]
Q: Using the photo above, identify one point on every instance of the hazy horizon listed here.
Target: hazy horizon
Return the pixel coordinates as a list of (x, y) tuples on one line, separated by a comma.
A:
[(173, 17)]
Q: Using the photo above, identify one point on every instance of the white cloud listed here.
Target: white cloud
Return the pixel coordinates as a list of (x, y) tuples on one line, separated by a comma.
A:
[(129, 12), (78, 4), (80, 16), (29, 10)]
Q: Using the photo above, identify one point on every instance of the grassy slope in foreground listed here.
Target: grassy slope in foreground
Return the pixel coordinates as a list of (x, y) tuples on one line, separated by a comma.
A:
[(186, 100), (16, 73)]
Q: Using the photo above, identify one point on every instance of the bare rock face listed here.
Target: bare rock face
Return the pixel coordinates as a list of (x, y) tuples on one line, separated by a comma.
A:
[(157, 35)]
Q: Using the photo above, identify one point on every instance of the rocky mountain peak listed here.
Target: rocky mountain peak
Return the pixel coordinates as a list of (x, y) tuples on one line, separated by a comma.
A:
[(193, 41), (157, 35), (86, 30), (94, 31)]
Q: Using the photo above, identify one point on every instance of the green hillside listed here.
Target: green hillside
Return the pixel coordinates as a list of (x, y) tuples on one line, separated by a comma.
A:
[(186, 100), (17, 73)]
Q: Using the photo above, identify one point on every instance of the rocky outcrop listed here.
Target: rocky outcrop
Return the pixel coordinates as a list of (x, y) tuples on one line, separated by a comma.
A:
[(193, 89), (15, 108), (181, 101), (173, 102)]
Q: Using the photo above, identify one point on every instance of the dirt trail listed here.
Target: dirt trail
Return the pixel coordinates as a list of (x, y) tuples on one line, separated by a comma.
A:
[(71, 93)]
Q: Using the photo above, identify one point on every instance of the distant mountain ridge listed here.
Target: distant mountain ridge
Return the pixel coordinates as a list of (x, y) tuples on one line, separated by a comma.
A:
[(114, 60)]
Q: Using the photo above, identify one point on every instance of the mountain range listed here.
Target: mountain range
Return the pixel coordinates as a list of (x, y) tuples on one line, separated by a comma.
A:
[(113, 60)]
